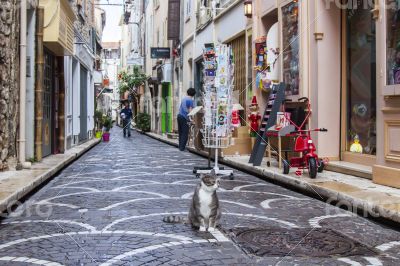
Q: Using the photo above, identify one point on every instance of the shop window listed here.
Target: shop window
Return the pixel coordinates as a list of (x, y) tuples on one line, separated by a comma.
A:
[(361, 81), (393, 41), (290, 45)]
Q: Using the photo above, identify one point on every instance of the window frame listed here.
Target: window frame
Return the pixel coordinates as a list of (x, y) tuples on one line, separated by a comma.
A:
[(388, 89)]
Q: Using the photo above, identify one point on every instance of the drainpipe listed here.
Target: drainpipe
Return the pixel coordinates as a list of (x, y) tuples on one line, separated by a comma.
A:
[(39, 59), (22, 91)]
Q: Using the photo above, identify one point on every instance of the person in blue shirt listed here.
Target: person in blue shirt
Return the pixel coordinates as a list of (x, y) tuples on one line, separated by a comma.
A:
[(187, 104), (126, 115)]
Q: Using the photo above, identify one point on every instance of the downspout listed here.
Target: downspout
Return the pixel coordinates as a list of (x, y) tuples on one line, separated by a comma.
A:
[(39, 84), (194, 49), (22, 91)]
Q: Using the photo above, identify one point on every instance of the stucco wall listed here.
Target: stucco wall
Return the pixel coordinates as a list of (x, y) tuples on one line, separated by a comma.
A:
[(328, 88), (230, 24)]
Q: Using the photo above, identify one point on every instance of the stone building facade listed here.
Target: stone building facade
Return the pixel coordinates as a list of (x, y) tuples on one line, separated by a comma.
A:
[(9, 73)]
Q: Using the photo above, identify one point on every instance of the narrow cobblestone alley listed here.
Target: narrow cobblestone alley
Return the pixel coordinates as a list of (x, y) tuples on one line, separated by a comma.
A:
[(107, 209)]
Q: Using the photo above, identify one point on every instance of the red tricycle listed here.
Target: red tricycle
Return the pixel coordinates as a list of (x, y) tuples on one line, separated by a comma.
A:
[(304, 145)]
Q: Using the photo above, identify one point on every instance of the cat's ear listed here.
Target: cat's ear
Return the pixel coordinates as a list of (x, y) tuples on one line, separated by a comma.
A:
[(213, 172)]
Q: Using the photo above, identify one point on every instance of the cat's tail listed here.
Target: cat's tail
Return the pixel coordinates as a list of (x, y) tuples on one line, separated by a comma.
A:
[(173, 219)]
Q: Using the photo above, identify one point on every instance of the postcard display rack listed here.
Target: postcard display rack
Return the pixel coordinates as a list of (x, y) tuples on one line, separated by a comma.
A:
[(217, 101)]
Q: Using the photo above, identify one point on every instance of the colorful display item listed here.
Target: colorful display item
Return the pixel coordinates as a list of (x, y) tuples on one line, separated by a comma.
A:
[(261, 62), (356, 146), (235, 118), (254, 117)]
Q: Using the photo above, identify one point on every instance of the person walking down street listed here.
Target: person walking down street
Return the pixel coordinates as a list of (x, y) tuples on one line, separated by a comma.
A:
[(187, 104), (126, 115)]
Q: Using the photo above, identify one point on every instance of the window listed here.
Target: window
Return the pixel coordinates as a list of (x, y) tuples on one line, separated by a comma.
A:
[(82, 8), (156, 4), (393, 42), (290, 45), (361, 81), (188, 9)]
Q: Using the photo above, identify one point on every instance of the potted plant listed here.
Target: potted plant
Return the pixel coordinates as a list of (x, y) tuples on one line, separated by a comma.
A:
[(143, 122), (131, 81), (107, 125), (98, 118)]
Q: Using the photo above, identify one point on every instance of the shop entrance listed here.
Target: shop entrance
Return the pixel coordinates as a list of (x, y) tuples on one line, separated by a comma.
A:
[(166, 108), (48, 116), (83, 108), (239, 50), (358, 85)]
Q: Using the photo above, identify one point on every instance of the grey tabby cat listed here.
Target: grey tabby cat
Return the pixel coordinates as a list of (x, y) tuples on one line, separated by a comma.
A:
[(204, 212)]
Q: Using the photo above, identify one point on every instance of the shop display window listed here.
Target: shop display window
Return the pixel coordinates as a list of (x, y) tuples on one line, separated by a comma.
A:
[(393, 41), (361, 81), (290, 45)]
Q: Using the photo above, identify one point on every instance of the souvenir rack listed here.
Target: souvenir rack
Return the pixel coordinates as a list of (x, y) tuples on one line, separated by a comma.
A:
[(217, 101)]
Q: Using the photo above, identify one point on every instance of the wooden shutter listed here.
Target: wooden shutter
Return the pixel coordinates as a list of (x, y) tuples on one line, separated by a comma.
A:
[(174, 13), (239, 58)]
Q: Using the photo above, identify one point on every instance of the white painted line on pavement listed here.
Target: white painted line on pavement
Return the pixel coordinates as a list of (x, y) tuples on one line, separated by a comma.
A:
[(314, 222), (387, 246)]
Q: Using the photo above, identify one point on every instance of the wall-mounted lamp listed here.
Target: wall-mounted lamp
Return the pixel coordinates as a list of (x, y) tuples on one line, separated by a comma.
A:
[(248, 8)]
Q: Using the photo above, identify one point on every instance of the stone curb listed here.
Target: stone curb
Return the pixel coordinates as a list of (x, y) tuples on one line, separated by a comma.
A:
[(40, 179), (311, 189)]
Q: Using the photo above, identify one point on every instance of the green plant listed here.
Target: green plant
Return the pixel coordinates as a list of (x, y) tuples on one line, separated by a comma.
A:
[(128, 81), (98, 118), (32, 159), (143, 122), (107, 123)]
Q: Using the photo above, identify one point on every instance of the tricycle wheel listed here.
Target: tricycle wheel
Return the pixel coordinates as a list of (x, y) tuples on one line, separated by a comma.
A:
[(286, 167), (321, 166), (312, 167)]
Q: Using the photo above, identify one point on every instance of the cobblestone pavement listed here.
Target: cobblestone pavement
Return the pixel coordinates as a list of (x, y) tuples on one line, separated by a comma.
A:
[(107, 209)]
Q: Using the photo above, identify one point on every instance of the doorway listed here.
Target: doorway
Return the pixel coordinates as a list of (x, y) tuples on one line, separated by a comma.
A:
[(166, 108), (83, 135), (359, 85), (48, 85)]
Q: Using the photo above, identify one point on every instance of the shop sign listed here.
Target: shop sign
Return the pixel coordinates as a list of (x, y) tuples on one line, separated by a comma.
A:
[(135, 61), (160, 52), (97, 77)]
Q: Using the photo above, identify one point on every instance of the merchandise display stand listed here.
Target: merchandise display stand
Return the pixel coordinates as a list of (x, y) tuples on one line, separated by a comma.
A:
[(217, 102)]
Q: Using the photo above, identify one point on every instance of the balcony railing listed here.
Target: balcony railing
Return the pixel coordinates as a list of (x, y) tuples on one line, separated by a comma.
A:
[(204, 15)]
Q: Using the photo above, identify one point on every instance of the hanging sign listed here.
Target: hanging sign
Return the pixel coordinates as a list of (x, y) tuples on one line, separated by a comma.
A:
[(160, 52)]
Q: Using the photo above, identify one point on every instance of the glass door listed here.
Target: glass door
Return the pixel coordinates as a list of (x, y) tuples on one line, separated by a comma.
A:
[(360, 84)]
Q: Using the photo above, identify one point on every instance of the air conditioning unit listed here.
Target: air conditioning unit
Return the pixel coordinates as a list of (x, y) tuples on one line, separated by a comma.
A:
[(166, 73)]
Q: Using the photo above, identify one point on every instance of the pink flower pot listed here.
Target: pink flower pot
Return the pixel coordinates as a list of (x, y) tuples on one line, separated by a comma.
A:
[(106, 137)]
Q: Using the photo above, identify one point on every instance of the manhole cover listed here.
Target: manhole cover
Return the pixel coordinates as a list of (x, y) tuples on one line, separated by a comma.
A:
[(317, 242)]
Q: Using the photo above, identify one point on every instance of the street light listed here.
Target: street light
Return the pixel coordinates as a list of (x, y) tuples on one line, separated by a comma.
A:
[(248, 8)]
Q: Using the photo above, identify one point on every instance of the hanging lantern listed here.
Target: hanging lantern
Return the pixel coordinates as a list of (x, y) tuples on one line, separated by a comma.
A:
[(248, 8)]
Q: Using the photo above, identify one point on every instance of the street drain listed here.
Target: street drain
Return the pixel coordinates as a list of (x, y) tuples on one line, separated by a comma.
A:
[(317, 242)]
